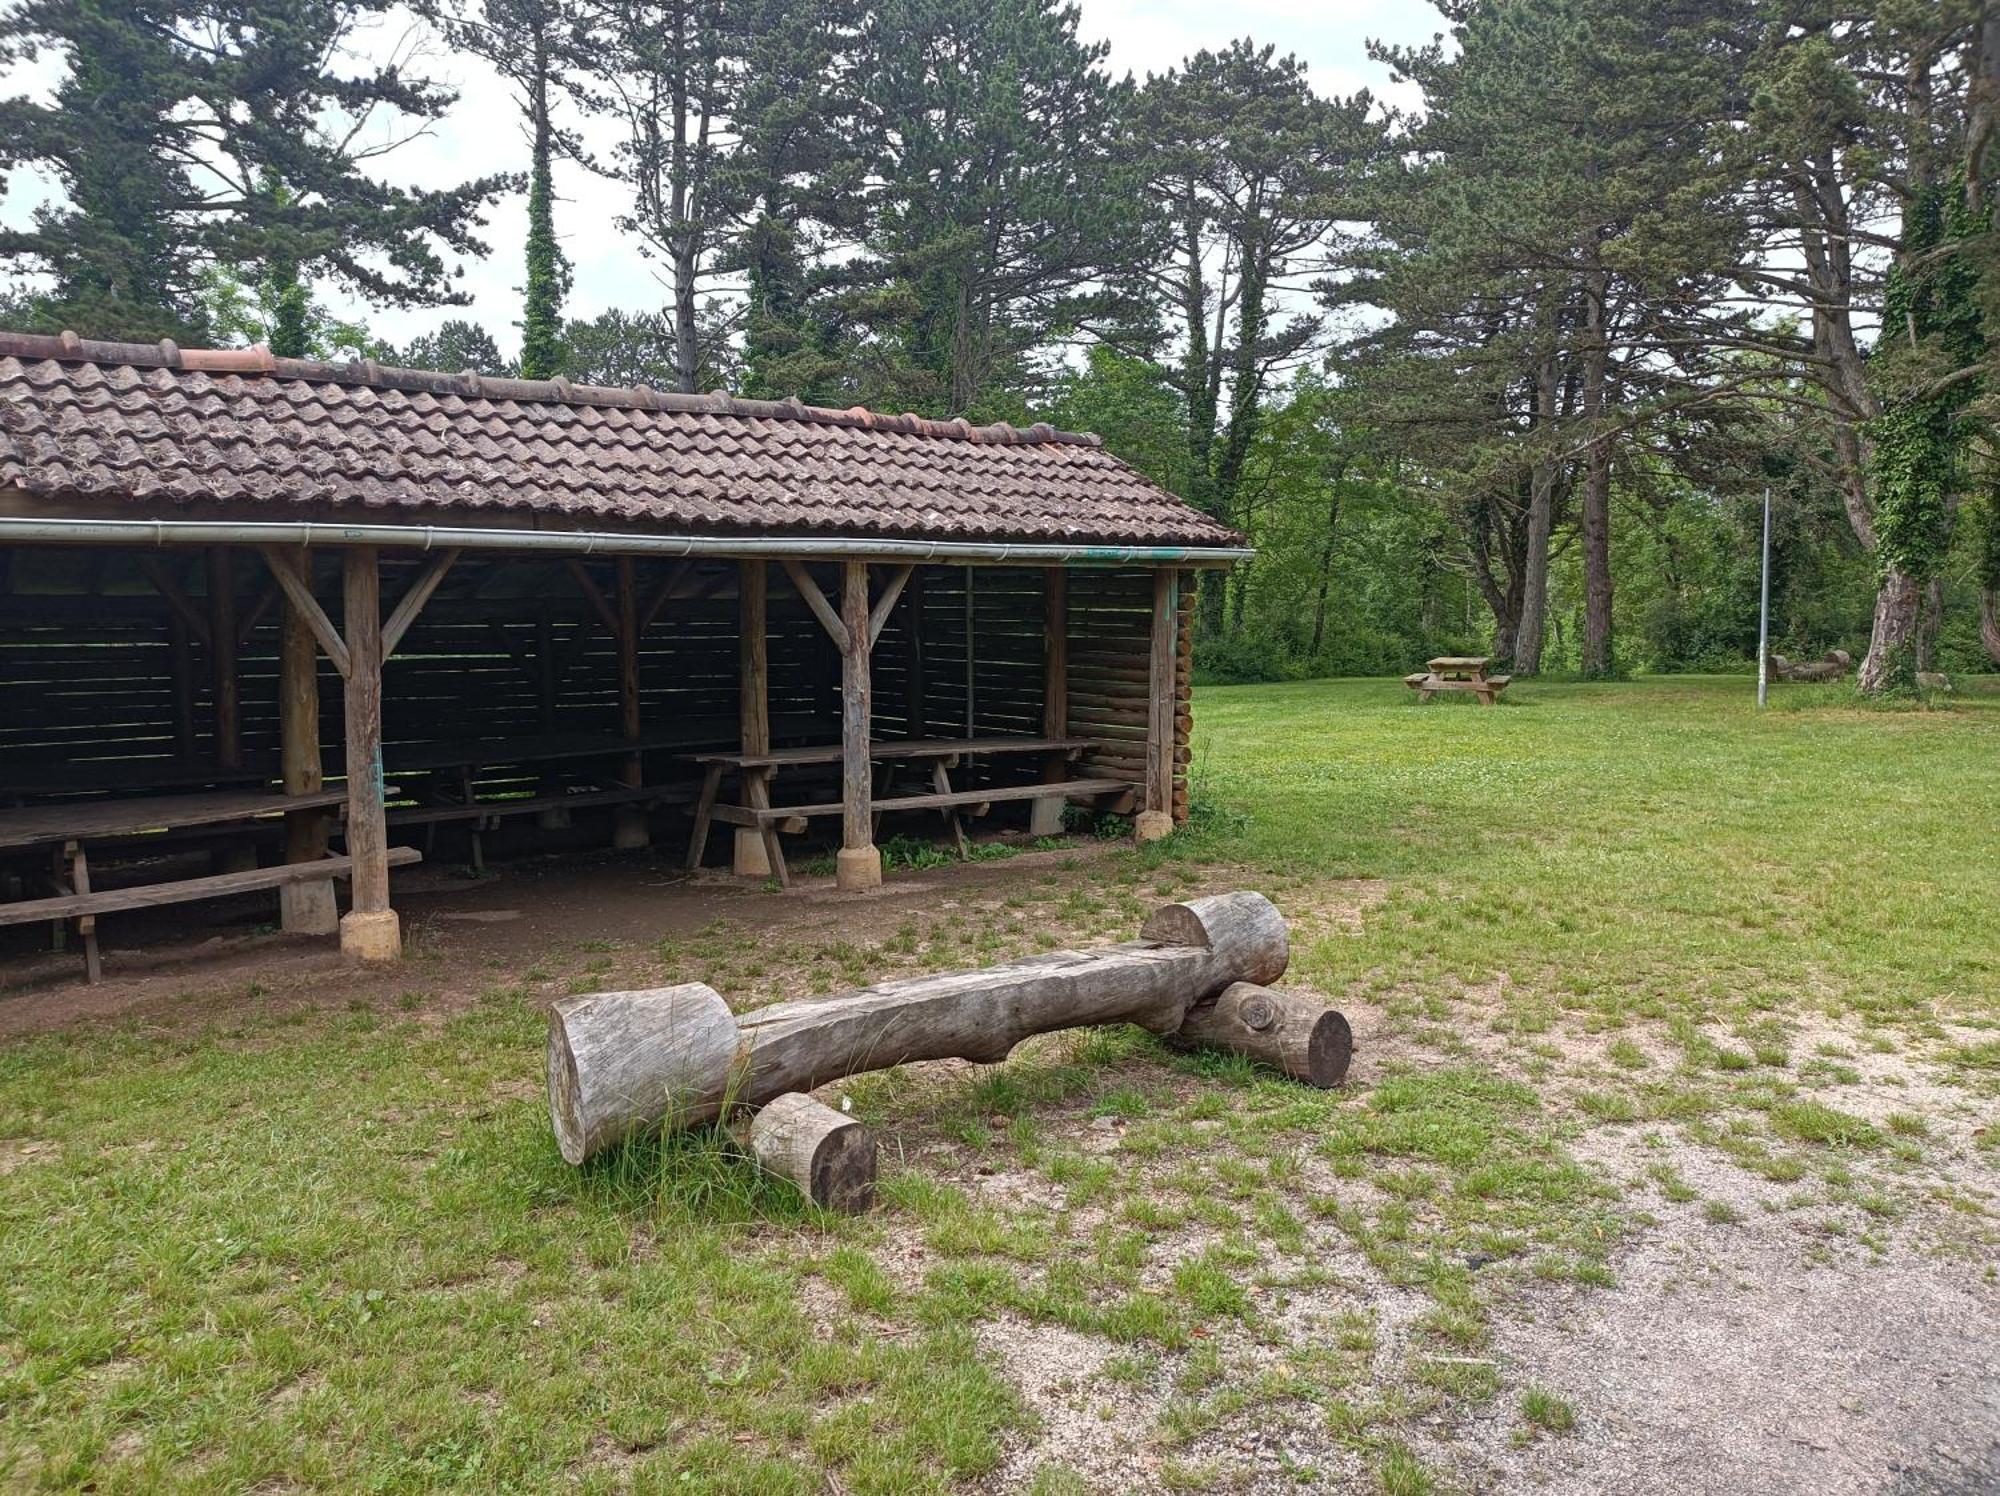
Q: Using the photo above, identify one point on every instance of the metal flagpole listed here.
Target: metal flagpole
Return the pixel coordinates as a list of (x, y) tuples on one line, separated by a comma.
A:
[(1764, 611)]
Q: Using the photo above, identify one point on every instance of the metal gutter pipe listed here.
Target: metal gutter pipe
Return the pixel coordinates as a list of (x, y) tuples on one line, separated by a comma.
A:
[(162, 532)]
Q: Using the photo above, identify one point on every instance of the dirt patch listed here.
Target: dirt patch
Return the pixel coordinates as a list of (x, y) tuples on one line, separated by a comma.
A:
[(208, 963)]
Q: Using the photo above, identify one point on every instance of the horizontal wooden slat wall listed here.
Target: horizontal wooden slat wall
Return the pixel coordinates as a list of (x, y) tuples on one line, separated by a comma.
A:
[(511, 647)]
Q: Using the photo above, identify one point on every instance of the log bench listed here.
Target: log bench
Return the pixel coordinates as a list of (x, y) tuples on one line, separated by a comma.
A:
[(85, 904)]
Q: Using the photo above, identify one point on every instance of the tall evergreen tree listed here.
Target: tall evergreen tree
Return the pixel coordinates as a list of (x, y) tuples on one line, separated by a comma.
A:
[(172, 122), (1247, 170), (1001, 206)]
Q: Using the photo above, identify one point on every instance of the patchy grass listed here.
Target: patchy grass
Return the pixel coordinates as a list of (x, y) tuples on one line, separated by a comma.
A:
[(1617, 942)]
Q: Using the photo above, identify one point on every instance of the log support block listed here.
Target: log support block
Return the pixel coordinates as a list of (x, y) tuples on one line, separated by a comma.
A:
[(830, 1157), (750, 860), (856, 869), (1297, 1035), (1152, 826), (371, 935)]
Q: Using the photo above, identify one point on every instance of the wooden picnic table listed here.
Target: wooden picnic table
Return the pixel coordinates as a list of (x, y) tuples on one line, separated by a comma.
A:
[(1458, 673), (460, 801), (755, 772), (71, 828)]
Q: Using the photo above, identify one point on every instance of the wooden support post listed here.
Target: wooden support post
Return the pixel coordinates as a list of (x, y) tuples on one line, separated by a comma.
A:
[(629, 821), (753, 711), (304, 908), (1157, 818), (858, 865), (370, 931), (1045, 816)]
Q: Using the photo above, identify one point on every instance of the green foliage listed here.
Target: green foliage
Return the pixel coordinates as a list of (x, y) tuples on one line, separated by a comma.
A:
[(170, 118)]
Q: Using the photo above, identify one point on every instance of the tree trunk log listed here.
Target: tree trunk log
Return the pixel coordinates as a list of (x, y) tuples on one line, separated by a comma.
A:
[(1298, 1035), (622, 1063), (1892, 646), (830, 1157), (625, 1062)]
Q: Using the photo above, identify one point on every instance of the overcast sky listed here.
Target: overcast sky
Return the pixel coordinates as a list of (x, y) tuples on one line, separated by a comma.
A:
[(481, 136)]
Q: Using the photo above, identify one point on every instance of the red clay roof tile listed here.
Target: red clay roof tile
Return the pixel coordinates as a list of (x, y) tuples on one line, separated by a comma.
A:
[(236, 427)]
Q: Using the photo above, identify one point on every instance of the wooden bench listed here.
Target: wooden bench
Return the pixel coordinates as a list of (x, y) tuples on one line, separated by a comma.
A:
[(486, 815), (779, 815), (756, 771), (85, 905)]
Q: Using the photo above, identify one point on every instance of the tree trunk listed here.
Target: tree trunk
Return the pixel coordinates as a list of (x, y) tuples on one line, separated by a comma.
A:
[(1892, 647), (1597, 656), (1989, 622), (622, 1063), (1930, 617)]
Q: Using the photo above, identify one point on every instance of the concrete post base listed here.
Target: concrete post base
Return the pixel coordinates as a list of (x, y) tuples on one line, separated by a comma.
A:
[(628, 829), (373, 936), (1045, 816), (308, 909), (750, 861), (1152, 825), (857, 868)]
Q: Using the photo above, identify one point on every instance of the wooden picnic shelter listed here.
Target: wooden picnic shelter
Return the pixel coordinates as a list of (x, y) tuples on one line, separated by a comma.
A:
[(295, 620)]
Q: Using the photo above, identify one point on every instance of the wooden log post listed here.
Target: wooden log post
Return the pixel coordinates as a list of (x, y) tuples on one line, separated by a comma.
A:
[(829, 1156), (1298, 1035), (753, 711), (623, 1063), (306, 908), (370, 931), (628, 826), (858, 865), (1156, 816)]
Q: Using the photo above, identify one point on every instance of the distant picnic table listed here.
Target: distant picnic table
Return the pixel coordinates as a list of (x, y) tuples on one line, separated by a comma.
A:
[(1458, 673)]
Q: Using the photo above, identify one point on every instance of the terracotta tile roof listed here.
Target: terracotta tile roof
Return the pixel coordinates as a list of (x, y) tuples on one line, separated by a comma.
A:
[(85, 422)]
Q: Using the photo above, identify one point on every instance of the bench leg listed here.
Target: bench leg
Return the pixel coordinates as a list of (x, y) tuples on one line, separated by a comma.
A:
[(941, 782), (704, 809), (59, 928), (753, 855), (86, 925)]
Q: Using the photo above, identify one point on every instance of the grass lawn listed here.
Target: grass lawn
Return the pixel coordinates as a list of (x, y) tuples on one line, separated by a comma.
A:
[(1625, 962)]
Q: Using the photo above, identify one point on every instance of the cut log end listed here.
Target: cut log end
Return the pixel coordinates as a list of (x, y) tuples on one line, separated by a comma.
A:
[(830, 1157), (1245, 930), (622, 1063), (1298, 1035)]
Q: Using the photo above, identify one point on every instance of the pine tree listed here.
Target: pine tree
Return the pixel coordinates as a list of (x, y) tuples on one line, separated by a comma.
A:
[(171, 121), (1001, 206)]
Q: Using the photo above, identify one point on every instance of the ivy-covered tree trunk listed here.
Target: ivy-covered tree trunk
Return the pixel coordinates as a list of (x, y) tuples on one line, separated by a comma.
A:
[(541, 316)]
